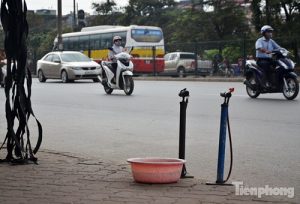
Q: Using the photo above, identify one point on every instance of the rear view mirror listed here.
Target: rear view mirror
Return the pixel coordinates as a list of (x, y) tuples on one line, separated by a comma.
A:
[(131, 49), (57, 61)]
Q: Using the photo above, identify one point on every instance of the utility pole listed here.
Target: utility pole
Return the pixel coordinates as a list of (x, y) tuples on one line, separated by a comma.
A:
[(74, 16), (59, 26)]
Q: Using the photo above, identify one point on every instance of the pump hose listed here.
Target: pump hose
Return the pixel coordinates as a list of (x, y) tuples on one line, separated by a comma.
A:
[(231, 153)]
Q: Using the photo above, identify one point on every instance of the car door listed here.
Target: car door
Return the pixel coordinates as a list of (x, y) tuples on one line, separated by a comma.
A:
[(45, 65), (170, 61), (55, 66)]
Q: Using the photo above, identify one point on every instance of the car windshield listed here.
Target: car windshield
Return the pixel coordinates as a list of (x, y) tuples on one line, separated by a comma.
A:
[(74, 57)]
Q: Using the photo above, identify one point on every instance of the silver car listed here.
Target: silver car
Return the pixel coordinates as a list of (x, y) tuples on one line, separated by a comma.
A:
[(67, 66)]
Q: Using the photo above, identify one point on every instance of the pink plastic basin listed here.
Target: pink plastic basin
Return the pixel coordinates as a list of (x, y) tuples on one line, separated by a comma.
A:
[(156, 170)]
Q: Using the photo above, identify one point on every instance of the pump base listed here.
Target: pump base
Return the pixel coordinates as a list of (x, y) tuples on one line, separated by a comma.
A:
[(219, 184), (186, 176)]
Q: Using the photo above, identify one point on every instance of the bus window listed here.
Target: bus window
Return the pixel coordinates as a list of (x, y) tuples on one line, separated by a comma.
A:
[(66, 43), (146, 35), (84, 42), (106, 40), (73, 43), (95, 42)]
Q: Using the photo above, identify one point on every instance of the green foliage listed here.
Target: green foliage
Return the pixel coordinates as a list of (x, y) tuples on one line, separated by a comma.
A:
[(104, 8), (232, 53), (283, 15), (209, 54)]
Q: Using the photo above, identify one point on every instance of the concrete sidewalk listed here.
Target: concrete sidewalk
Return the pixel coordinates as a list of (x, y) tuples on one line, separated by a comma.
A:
[(65, 178)]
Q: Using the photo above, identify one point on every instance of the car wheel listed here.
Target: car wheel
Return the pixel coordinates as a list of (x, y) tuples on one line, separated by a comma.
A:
[(2, 81), (41, 76), (64, 77), (180, 72), (96, 80)]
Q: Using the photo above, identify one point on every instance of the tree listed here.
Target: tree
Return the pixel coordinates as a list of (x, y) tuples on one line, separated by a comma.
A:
[(108, 13), (146, 12), (105, 8), (227, 19), (280, 14)]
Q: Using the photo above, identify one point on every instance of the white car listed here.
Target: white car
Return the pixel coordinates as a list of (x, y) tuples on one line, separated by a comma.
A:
[(185, 62), (180, 62), (67, 66)]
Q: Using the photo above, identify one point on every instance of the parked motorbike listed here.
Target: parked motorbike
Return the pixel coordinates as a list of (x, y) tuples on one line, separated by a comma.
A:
[(123, 79), (223, 70), (282, 78)]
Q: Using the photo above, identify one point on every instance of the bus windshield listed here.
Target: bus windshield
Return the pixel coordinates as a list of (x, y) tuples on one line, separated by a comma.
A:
[(146, 35)]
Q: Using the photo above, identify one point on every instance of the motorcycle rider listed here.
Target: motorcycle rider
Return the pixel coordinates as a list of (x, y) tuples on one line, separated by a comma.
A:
[(115, 49), (264, 47)]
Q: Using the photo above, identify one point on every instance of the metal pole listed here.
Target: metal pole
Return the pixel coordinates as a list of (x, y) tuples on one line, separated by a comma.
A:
[(74, 16), (244, 50), (196, 60), (154, 60), (182, 129), (59, 26), (222, 143)]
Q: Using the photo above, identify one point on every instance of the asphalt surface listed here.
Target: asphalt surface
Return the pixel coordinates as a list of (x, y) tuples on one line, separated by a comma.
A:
[(81, 119)]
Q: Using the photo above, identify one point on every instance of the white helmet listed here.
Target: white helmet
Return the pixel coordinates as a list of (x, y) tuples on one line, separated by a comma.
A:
[(266, 28), (117, 38)]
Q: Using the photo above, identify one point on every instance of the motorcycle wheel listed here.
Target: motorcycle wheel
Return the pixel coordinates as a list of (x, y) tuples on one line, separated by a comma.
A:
[(108, 90), (292, 90), (128, 85), (250, 92)]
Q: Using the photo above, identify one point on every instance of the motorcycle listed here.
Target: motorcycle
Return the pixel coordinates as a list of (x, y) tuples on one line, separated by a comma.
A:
[(123, 79), (283, 79), (223, 70)]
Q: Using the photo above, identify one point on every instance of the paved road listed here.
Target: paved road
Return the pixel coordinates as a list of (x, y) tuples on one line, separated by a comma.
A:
[(80, 118)]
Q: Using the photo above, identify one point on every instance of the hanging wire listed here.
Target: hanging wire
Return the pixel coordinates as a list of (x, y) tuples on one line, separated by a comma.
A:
[(18, 102)]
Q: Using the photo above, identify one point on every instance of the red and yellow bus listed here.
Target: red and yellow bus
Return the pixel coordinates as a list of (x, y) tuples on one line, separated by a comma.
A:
[(147, 41)]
